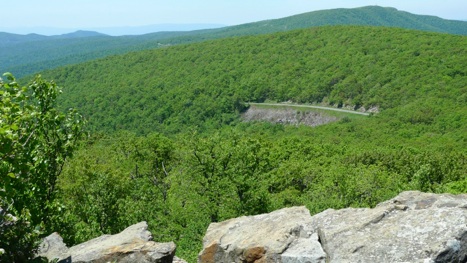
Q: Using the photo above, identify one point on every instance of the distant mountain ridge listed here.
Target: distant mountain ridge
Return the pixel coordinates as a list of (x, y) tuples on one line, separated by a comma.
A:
[(23, 55), (9, 38), (81, 33), (368, 16), (112, 31), (141, 30)]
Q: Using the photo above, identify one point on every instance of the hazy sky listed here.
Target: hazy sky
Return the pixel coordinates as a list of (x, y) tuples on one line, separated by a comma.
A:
[(82, 14)]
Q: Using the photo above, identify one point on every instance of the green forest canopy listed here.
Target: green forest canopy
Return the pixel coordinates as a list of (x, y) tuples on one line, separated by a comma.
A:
[(201, 84)]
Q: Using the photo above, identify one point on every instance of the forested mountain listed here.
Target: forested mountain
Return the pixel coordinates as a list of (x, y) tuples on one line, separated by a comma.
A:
[(367, 16), (26, 55), (209, 81), (167, 144)]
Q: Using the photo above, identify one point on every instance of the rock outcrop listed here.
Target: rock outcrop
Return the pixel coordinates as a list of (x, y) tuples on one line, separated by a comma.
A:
[(263, 238), (287, 116), (134, 244), (412, 227)]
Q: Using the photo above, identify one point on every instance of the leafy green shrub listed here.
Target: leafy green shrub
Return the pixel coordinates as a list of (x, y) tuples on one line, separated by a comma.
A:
[(35, 141)]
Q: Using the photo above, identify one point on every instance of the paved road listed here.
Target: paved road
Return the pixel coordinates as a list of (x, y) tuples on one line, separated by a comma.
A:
[(309, 106)]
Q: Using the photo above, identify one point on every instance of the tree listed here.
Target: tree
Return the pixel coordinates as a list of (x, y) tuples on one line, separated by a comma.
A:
[(35, 141)]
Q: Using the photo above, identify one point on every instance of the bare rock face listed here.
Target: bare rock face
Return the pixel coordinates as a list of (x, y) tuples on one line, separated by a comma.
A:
[(262, 238), (133, 244), (287, 116), (412, 227)]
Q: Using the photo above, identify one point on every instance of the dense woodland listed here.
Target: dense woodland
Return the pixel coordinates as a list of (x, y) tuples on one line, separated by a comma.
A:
[(166, 142), (32, 53), (206, 84)]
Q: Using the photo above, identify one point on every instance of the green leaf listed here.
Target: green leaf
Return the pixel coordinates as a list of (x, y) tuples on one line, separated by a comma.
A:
[(9, 76)]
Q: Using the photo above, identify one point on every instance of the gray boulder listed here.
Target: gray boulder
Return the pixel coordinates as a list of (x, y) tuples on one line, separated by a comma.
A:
[(262, 238), (412, 227), (134, 244), (53, 248)]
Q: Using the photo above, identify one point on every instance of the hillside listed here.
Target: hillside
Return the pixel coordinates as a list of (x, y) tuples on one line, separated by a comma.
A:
[(207, 82), (28, 57), (24, 55)]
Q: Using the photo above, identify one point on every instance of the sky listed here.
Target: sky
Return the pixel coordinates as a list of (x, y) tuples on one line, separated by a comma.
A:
[(24, 15)]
